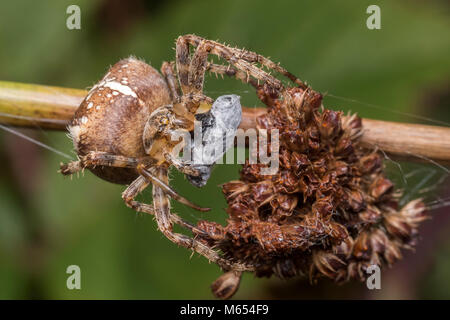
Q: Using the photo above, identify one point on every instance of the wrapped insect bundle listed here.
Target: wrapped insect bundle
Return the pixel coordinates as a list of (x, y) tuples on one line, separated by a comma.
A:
[(329, 211)]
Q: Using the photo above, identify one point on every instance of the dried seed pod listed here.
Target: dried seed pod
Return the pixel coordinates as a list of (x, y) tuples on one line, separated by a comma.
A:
[(370, 215), (326, 263), (355, 200), (396, 225), (380, 186), (329, 124), (370, 163), (226, 285)]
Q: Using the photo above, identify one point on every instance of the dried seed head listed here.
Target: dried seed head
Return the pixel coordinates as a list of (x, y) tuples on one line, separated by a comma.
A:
[(329, 210)]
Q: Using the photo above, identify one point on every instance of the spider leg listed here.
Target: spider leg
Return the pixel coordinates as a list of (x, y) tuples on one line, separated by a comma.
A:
[(192, 100), (191, 70), (183, 166), (161, 205), (136, 187), (242, 65), (183, 61), (231, 72), (97, 158), (169, 74), (163, 185), (199, 63), (70, 168), (231, 54), (197, 68)]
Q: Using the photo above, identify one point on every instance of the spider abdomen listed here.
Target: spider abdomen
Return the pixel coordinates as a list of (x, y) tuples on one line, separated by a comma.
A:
[(112, 117)]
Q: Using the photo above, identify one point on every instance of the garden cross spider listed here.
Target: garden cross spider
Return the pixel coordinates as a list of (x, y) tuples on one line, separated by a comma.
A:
[(122, 129)]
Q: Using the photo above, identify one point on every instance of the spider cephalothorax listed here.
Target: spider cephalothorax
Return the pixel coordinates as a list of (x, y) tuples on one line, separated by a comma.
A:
[(329, 211)]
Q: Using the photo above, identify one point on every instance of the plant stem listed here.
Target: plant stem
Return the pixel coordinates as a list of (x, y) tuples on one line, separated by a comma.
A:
[(30, 105)]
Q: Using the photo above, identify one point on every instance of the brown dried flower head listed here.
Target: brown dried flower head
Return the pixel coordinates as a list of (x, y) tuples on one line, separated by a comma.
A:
[(329, 211)]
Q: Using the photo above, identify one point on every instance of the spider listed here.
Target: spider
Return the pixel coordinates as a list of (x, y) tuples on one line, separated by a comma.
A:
[(121, 131)]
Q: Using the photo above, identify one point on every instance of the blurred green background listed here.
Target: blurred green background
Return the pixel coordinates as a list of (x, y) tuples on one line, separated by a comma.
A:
[(48, 222)]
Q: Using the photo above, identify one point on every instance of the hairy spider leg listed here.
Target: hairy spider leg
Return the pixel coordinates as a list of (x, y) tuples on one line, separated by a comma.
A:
[(163, 185), (95, 158), (182, 166), (249, 56), (191, 71), (242, 60), (171, 79), (135, 188), (187, 99), (161, 205), (231, 72)]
